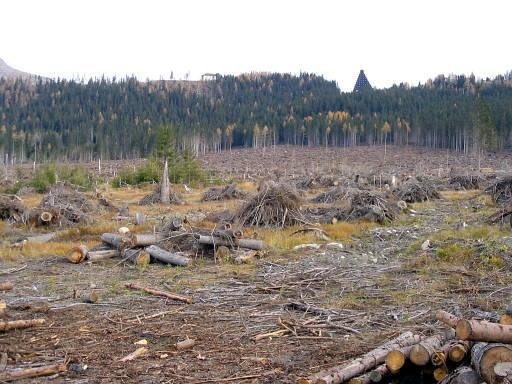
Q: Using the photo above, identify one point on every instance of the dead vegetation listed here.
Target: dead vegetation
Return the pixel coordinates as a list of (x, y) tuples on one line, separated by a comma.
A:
[(501, 190), (226, 193), (12, 209), (465, 182), (155, 198), (416, 191), (276, 205)]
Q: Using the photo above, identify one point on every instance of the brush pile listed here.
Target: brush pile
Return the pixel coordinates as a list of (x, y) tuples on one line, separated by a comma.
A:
[(275, 205), (416, 191), (335, 195), (226, 193), (501, 190), (154, 198), (12, 209), (463, 183), (61, 206), (366, 205), (469, 352)]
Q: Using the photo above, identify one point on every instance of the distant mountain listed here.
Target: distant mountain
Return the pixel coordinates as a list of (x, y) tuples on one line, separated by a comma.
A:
[(11, 73)]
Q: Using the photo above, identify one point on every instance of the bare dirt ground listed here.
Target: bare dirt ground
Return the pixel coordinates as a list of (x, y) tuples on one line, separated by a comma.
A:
[(247, 320)]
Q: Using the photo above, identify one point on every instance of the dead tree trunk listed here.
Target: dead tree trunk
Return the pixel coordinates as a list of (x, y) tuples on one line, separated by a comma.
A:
[(102, 255), (167, 257), (242, 243), (144, 239), (27, 373), (485, 357), (462, 375), (20, 324), (479, 330), (340, 374), (165, 190)]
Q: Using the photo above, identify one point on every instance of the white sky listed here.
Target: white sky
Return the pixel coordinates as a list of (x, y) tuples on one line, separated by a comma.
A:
[(392, 40)]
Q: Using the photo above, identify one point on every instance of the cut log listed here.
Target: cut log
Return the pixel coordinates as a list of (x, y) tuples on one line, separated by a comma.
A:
[(145, 239), (368, 361), (396, 358), (115, 240), (506, 319), (78, 254), (440, 373), (228, 233), (169, 295), (138, 257), (7, 286), (242, 243), (462, 375), (447, 318), (421, 353), (46, 217), (480, 330), (485, 356), (374, 376), (440, 355), (102, 255), (20, 324), (185, 344), (167, 257), (459, 349), (27, 373)]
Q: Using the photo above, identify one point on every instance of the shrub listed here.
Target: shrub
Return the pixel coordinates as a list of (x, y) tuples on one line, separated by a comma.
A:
[(76, 175), (44, 178), (147, 173)]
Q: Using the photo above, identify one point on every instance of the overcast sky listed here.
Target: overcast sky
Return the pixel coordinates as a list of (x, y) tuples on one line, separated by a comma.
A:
[(392, 40)]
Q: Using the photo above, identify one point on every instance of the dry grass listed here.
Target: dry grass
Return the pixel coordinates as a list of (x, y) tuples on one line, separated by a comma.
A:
[(248, 186), (33, 250), (460, 195), (32, 200)]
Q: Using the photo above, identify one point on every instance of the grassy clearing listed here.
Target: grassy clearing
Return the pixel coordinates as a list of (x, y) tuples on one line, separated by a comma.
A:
[(35, 250), (460, 195)]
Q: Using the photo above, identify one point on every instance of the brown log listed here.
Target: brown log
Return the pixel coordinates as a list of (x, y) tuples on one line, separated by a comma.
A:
[(169, 295), (20, 324), (396, 358), (421, 353), (370, 360), (462, 375), (7, 286), (480, 330), (506, 319), (115, 240), (242, 243), (459, 349), (78, 254), (485, 356), (374, 376), (441, 354), (138, 257), (102, 255), (440, 373), (27, 373), (447, 318), (167, 257), (145, 239), (185, 344)]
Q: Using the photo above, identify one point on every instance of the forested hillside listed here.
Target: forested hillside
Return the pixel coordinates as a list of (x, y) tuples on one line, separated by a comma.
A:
[(62, 119)]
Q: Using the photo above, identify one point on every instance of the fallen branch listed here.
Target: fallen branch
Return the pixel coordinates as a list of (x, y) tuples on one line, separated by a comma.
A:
[(20, 324), (242, 243), (27, 373), (480, 330), (169, 295)]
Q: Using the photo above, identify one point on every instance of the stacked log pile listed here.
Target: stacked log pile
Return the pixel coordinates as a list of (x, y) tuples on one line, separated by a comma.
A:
[(470, 351), (143, 248)]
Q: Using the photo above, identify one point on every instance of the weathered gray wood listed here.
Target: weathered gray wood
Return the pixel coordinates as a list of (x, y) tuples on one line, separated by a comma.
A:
[(242, 243), (144, 239), (167, 257), (102, 255), (115, 240), (164, 185)]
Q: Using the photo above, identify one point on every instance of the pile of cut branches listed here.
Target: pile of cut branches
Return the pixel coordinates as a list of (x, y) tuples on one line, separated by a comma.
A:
[(335, 195), (275, 205), (465, 182), (226, 193), (12, 209), (370, 206), (154, 198), (415, 191), (501, 190)]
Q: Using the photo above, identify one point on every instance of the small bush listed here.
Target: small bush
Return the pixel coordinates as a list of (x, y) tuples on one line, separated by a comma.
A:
[(45, 177), (76, 175), (148, 173)]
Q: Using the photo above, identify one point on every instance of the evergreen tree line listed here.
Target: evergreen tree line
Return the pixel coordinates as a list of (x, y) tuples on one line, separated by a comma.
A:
[(119, 119)]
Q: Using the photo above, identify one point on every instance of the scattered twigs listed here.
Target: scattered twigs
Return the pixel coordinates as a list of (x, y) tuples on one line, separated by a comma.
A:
[(135, 354), (169, 295)]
